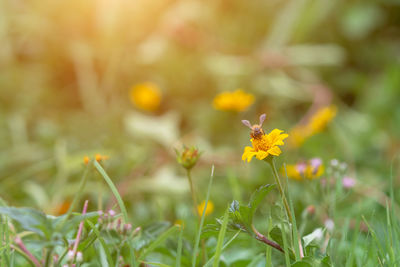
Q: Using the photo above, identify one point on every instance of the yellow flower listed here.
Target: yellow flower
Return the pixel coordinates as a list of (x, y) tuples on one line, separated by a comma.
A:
[(86, 160), (321, 119), (100, 157), (316, 124), (305, 171), (146, 96), (97, 157), (209, 209), (233, 101), (265, 146)]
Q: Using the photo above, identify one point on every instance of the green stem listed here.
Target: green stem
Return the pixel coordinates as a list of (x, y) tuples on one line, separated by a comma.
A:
[(192, 192), (48, 257), (280, 188)]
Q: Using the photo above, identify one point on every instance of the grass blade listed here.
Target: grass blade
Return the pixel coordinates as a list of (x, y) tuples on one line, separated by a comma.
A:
[(285, 245), (103, 244), (223, 248), (158, 241), (113, 189), (268, 252), (179, 250), (221, 237), (197, 242)]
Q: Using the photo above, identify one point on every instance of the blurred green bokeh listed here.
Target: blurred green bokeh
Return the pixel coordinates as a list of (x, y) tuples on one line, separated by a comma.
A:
[(67, 68)]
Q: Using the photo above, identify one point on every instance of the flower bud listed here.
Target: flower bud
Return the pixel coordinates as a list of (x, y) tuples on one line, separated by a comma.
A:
[(112, 213), (79, 256), (127, 228), (70, 255), (188, 157), (348, 182), (308, 212)]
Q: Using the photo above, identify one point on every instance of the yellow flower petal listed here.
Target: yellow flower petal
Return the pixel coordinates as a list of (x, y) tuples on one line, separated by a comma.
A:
[(275, 151), (248, 153), (262, 154)]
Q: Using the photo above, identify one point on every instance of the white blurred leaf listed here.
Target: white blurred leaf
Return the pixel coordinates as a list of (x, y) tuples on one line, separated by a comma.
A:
[(163, 129), (316, 235), (164, 181)]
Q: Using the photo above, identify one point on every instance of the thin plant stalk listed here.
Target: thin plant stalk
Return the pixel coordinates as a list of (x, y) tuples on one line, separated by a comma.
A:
[(22, 246), (266, 241), (197, 241), (280, 188), (192, 192), (48, 257), (78, 235)]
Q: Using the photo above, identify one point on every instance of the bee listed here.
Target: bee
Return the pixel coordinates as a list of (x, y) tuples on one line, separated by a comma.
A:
[(256, 130)]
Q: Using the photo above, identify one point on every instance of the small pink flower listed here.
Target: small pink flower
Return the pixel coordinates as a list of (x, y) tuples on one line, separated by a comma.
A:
[(348, 182), (301, 168), (315, 164), (112, 213)]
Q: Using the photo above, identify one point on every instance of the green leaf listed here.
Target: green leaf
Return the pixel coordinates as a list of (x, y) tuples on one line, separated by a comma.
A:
[(301, 264), (30, 219), (326, 261), (149, 233), (257, 197), (276, 235), (241, 217), (158, 241), (73, 221)]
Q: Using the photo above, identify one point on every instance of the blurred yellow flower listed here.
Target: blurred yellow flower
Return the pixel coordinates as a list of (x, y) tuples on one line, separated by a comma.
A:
[(86, 160), (321, 118), (100, 157), (146, 96), (265, 146), (316, 124), (309, 170), (233, 101), (97, 157), (209, 209)]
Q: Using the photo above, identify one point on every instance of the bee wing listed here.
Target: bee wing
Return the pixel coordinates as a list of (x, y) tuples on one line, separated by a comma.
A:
[(262, 118), (246, 123)]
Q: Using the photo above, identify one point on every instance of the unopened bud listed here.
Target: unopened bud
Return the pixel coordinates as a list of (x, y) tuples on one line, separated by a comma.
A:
[(70, 255), (188, 157), (311, 210), (127, 228), (112, 213), (308, 212), (79, 256)]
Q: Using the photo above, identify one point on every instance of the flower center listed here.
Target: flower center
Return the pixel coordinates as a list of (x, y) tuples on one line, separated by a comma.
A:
[(261, 144)]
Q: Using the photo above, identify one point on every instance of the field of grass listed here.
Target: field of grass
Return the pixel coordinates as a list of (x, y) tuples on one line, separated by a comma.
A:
[(132, 133)]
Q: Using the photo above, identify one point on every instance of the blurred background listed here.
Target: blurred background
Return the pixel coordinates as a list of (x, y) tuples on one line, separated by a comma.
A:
[(134, 80)]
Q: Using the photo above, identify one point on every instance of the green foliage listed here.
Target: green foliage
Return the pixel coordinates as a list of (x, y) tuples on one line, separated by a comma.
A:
[(67, 70)]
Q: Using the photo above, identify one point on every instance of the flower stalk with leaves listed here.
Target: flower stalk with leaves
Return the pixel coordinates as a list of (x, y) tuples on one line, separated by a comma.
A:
[(266, 147)]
